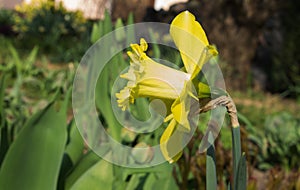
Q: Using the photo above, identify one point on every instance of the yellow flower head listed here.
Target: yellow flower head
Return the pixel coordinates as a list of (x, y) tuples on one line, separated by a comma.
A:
[(147, 78)]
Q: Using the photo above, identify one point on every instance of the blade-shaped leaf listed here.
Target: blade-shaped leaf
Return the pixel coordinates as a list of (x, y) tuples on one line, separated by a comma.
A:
[(161, 180), (76, 144), (33, 160), (211, 174), (2, 92), (84, 164), (236, 150), (99, 176), (119, 30), (130, 32), (107, 23), (241, 178)]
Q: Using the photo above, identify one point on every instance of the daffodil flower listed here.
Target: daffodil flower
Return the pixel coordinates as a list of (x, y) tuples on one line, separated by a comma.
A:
[(147, 78)]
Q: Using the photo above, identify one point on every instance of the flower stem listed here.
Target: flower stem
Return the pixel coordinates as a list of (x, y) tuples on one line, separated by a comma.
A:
[(236, 137)]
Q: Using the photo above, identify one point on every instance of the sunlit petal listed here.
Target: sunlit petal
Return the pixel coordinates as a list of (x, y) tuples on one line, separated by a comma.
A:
[(191, 41), (182, 105), (171, 147)]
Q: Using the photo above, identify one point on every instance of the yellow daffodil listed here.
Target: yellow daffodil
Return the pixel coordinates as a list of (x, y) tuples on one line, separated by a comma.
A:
[(147, 78)]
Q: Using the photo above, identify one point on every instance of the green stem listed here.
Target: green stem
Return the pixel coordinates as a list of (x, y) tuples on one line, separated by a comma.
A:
[(236, 150), (211, 173), (239, 165)]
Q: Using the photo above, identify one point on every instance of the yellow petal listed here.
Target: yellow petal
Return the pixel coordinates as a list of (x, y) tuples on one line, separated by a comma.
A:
[(168, 118), (191, 41), (186, 21), (181, 106), (170, 148), (143, 44)]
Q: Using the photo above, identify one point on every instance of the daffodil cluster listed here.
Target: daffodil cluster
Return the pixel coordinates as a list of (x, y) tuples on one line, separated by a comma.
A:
[(147, 78)]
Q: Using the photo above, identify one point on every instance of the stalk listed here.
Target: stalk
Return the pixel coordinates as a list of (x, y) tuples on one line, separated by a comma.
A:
[(239, 160)]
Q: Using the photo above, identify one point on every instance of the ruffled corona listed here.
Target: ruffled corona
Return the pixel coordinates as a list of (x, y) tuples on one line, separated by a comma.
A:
[(147, 78)]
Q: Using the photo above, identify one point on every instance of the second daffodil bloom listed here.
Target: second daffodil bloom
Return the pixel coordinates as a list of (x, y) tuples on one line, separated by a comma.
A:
[(147, 78)]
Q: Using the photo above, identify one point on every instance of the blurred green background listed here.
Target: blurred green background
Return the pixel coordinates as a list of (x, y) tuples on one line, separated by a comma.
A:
[(41, 45)]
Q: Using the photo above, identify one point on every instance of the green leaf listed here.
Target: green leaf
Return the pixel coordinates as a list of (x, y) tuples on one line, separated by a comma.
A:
[(140, 109), (16, 58), (130, 19), (151, 180), (136, 181), (155, 47), (130, 33), (83, 165), (236, 150), (119, 30), (33, 160), (162, 168), (97, 31), (99, 176), (4, 131), (245, 120), (4, 141), (2, 93), (31, 59), (241, 178), (229, 186), (167, 183), (211, 174), (107, 23), (158, 177), (103, 96), (76, 144), (204, 90)]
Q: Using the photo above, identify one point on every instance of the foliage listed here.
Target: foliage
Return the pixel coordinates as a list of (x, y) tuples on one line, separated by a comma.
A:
[(47, 24), (6, 17), (42, 159), (271, 129), (28, 86), (45, 17), (279, 144), (6, 21)]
